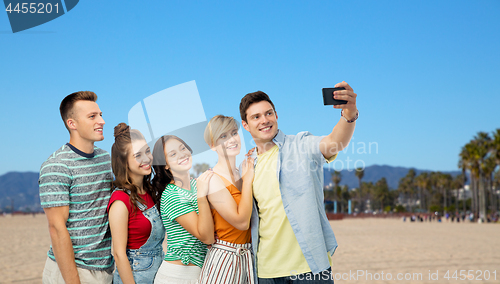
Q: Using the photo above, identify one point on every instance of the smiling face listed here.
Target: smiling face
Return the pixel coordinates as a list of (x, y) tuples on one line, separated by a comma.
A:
[(262, 122), (139, 159), (228, 142), (87, 122), (178, 157)]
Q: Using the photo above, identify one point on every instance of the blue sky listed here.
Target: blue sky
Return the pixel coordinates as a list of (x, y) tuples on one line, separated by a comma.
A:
[(426, 72)]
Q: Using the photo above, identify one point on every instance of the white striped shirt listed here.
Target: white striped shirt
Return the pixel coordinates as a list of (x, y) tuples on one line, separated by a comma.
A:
[(81, 181)]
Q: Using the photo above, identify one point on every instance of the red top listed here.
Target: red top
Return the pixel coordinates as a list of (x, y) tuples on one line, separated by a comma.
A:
[(139, 227)]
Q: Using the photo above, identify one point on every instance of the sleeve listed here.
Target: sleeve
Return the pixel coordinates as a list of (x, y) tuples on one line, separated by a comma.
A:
[(54, 184), (173, 205), (312, 144), (122, 196), (331, 159)]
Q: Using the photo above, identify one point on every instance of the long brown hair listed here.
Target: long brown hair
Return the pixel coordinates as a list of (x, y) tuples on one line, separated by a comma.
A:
[(162, 176), (119, 162)]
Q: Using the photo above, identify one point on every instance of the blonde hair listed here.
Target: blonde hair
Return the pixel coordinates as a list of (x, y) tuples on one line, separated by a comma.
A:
[(218, 125)]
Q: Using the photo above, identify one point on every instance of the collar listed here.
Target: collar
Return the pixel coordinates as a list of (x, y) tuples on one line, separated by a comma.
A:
[(279, 139), (81, 153)]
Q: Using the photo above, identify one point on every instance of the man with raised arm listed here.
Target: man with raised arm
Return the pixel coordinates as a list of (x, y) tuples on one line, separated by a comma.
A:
[(291, 236), (74, 192)]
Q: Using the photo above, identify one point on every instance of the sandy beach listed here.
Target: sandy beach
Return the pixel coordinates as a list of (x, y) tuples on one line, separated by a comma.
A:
[(415, 250), (370, 251)]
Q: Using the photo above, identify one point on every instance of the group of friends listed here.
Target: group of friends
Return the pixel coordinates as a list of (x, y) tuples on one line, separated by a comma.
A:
[(259, 222)]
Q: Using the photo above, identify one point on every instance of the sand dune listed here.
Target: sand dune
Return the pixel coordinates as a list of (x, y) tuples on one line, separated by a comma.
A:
[(376, 248)]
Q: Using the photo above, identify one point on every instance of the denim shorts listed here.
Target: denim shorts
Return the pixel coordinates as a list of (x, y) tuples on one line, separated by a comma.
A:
[(144, 266)]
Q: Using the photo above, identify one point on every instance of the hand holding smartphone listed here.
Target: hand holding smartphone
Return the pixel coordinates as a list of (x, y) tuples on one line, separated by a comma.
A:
[(328, 96)]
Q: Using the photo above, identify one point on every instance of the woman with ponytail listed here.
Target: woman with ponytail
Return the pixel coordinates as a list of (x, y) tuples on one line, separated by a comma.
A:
[(184, 209), (136, 228)]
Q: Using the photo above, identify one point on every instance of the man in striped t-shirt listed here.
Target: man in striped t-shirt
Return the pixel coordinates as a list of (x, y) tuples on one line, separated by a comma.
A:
[(74, 192)]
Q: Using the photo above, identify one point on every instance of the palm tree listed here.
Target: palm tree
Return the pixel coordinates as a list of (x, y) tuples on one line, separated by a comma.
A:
[(488, 168), (483, 142), (336, 178), (458, 183), (200, 168), (329, 194), (382, 191), (443, 183), (407, 184), (463, 164), (360, 173), (368, 193), (422, 183), (496, 182), (469, 158), (433, 194), (495, 147), (345, 196)]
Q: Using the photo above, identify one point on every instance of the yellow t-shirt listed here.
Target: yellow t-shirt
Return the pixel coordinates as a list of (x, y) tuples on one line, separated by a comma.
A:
[(279, 253)]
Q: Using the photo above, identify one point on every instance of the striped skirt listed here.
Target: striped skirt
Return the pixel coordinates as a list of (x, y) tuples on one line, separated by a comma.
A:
[(228, 263)]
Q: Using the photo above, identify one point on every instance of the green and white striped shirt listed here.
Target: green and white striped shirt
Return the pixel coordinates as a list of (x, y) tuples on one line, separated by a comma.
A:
[(81, 181), (175, 202)]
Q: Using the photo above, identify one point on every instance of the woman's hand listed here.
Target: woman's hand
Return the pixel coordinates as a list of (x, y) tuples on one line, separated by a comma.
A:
[(248, 168), (202, 183)]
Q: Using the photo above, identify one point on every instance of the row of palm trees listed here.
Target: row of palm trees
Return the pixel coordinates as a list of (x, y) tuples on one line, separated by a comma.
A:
[(481, 159), (368, 196), (431, 191)]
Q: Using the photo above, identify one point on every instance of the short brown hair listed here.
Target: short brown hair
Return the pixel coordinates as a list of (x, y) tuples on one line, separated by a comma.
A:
[(66, 107), (250, 99)]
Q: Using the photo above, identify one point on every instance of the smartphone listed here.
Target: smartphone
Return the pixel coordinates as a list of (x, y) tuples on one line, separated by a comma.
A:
[(328, 96)]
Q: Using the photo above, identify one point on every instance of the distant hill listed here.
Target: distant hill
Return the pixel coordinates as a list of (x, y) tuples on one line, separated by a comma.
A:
[(375, 173), (21, 189)]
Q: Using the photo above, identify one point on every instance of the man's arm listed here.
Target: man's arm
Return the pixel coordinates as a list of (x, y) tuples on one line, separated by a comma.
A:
[(61, 243), (341, 134)]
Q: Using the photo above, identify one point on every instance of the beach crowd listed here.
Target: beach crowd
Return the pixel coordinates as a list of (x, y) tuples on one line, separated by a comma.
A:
[(449, 217)]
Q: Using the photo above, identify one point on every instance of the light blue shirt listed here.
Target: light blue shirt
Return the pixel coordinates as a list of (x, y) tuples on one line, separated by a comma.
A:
[(300, 175)]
